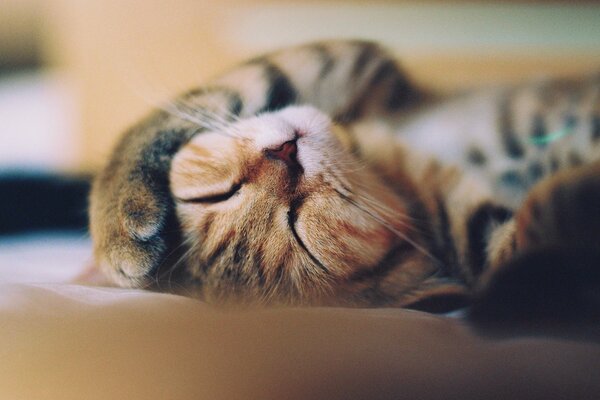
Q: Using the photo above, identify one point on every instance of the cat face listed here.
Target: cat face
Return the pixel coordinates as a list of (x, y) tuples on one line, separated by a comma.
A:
[(275, 208)]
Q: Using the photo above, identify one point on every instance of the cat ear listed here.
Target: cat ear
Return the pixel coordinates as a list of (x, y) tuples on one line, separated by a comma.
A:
[(205, 167)]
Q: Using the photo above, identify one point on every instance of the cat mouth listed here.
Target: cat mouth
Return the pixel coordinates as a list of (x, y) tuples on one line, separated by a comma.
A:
[(295, 171), (295, 174)]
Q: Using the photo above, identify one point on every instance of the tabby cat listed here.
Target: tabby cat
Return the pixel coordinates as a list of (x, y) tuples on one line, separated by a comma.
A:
[(320, 175)]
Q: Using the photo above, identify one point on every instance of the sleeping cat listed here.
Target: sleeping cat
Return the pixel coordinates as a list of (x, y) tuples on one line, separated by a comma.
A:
[(320, 175)]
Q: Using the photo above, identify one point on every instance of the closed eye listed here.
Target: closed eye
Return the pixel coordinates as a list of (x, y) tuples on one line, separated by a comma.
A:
[(215, 198)]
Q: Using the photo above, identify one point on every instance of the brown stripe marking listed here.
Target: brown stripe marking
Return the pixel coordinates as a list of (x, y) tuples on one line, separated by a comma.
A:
[(509, 137)]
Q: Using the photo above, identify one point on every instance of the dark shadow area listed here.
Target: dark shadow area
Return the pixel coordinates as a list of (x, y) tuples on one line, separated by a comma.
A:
[(550, 292), (32, 202)]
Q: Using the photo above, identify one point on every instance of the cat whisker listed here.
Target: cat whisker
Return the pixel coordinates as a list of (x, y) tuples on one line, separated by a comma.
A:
[(157, 277), (199, 116), (182, 258), (202, 110), (391, 228), (142, 89), (351, 166), (389, 212), (407, 221), (173, 110), (180, 108), (222, 119), (374, 202)]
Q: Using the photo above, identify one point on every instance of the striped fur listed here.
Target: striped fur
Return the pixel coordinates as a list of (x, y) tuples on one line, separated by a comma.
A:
[(320, 175)]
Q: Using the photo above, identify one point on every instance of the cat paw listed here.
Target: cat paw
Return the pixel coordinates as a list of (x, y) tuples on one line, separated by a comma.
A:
[(142, 213), (131, 263), (129, 233), (562, 210)]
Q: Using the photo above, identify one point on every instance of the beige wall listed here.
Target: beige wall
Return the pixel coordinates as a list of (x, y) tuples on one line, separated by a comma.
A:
[(123, 56)]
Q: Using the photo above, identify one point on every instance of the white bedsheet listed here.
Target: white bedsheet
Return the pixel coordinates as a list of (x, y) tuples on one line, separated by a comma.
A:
[(43, 257), (66, 341)]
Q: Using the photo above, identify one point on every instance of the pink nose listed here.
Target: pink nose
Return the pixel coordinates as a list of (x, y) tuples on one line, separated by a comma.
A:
[(286, 152)]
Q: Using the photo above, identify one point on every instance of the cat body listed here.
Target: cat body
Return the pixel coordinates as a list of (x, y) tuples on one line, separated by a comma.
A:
[(319, 175)]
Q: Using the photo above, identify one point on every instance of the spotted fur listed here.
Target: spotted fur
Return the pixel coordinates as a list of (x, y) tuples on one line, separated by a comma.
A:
[(321, 175)]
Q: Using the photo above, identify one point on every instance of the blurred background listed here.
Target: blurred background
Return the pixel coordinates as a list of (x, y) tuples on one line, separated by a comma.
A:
[(74, 74)]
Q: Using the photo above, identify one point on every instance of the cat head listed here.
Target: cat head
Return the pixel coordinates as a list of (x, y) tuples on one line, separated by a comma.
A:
[(276, 208)]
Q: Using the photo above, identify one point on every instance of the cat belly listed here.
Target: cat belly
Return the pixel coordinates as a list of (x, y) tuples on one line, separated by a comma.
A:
[(465, 132)]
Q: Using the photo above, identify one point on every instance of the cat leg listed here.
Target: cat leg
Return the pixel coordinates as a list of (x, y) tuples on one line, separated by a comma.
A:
[(564, 210), (553, 278)]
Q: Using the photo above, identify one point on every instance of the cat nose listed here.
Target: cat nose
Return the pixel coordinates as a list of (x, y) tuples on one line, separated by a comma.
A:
[(287, 153)]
